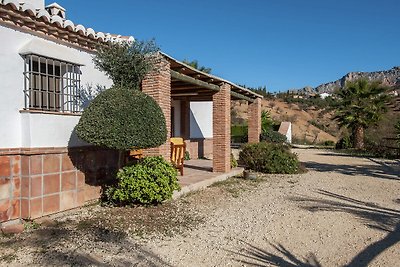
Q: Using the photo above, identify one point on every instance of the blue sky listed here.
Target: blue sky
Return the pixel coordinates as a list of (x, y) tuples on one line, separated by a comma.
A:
[(282, 44)]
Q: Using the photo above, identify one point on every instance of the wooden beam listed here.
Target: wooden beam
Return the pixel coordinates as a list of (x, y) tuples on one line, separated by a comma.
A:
[(191, 80), (188, 79), (240, 96)]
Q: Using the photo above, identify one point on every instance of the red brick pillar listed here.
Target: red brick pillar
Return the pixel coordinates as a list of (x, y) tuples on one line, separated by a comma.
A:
[(254, 121), (222, 129), (157, 84)]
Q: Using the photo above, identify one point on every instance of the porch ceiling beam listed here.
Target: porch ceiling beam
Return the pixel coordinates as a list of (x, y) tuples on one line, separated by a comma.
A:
[(185, 78), (240, 96), (188, 79)]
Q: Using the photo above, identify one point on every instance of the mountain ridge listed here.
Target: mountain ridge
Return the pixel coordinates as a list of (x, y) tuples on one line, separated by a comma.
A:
[(390, 78)]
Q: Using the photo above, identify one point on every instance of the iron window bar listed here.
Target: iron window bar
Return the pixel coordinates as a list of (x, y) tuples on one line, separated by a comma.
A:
[(51, 84)]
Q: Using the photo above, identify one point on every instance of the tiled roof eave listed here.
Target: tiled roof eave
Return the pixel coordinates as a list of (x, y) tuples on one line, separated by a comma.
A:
[(40, 23)]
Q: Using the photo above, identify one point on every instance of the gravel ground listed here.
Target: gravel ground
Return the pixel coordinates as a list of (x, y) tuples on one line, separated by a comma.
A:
[(343, 212)]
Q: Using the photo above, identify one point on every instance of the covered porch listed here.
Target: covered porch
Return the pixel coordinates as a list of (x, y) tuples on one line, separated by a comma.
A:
[(199, 174), (197, 107)]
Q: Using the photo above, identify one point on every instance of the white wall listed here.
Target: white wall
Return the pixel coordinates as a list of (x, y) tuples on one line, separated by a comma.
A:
[(13, 133), (201, 118), (289, 134), (38, 129), (176, 104)]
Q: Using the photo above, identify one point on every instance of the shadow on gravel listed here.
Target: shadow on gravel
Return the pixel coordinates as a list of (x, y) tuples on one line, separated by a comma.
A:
[(372, 215), (381, 171), (255, 256), (84, 246)]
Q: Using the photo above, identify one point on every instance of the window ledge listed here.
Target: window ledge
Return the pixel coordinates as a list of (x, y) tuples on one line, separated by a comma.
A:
[(50, 112)]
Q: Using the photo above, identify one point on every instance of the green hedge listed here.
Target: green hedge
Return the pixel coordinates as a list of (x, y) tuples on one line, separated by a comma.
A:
[(273, 137), (150, 181), (269, 158), (123, 119)]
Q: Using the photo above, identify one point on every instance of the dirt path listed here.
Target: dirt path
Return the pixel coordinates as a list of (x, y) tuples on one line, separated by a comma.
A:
[(344, 212)]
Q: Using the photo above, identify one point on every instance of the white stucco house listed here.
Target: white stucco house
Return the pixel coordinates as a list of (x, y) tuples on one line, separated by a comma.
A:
[(46, 62)]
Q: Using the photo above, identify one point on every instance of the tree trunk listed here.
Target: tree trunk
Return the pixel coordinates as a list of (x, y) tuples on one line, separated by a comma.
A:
[(359, 137)]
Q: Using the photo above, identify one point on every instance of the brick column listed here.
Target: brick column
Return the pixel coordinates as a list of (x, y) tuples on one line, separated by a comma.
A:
[(254, 121), (222, 129), (157, 84)]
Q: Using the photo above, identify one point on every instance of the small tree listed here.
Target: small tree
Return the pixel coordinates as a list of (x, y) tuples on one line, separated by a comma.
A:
[(126, 63), (360, 104), (266, 122), (123, 117)]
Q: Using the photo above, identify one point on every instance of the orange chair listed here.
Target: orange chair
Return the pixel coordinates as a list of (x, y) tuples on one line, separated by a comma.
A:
[(178, 148)]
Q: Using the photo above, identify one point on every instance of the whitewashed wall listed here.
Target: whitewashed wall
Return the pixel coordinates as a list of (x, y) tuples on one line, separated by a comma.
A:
[(289, 134), (201, 118), (14, 132)]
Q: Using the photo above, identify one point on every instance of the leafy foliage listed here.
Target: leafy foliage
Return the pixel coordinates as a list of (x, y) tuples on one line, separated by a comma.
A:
[(187, 155), (150, 181), (239, 133), (126, 63), (234, 163), (397, 127), (195, 64), (88, 93), (344, 143), (361, 104), (273, 137), (266, 121), (269, 158), (123, 119)]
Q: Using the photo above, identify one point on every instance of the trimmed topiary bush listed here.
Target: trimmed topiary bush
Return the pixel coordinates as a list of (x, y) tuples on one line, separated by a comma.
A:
[(150, 181), (269, 158), (123, 119), (273, 137)]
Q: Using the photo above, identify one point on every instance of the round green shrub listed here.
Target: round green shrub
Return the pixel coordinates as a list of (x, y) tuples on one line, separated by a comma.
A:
[(123, 119), (344, 143), (150, 181), (269, 158), (273, 137)]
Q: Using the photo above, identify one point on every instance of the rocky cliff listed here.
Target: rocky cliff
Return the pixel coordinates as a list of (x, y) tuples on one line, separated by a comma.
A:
[(390, 78)]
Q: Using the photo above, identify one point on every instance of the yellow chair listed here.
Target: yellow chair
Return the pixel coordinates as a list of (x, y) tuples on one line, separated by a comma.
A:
[(178, 148)]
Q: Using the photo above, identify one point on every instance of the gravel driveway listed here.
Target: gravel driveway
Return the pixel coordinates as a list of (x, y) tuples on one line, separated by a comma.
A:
[(345, 211)]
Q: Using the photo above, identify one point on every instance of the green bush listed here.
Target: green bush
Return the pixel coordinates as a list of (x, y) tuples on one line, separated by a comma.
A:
[(329, 143), (150, 181), (344, 143), (123, 119), (269, 158), (273, 137), (397, 127), (187, 155)]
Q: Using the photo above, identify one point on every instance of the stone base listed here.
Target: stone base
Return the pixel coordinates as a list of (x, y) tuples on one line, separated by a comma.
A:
[(38, 182)]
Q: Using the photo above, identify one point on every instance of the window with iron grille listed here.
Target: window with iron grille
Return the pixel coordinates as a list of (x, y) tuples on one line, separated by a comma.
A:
[(51, 85)]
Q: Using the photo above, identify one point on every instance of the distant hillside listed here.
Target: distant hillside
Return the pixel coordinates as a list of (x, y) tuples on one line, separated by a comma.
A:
[(310, 125), (389, 78)]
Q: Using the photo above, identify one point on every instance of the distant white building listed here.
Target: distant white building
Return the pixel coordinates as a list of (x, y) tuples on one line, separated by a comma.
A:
[(324, 95)]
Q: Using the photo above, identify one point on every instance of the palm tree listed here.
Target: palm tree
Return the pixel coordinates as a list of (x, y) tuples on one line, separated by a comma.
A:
[(360, 104)]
